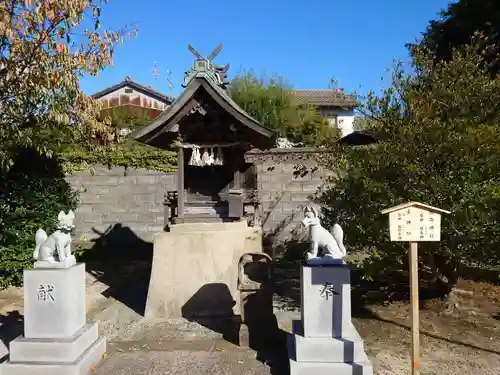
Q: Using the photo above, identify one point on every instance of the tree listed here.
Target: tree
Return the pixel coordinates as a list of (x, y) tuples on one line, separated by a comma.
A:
[(439, 143), (270, 101), (32, 193), (457, 26), (45, 48)]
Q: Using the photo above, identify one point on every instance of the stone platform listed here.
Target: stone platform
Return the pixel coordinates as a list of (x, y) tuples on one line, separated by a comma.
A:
[(324, 341), (195, 269), (56, 340)]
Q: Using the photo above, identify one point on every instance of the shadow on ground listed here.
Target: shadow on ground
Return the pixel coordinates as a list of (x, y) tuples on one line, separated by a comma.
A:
[(477, 274), (386, 288), (383, 290), (121, 260), (212, 307), (11, 326)]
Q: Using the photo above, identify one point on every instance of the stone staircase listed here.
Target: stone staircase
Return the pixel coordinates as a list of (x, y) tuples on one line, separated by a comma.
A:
[(205, 210)]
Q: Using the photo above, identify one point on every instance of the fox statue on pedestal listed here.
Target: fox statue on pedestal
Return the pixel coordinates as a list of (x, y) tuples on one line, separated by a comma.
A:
[(55, 250), (331, 243)]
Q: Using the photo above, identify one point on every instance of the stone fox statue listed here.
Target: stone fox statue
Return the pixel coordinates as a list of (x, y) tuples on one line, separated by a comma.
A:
[(57, 246), (319, 237)]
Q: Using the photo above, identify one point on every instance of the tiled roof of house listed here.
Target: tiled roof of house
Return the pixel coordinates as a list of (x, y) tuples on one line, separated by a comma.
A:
[(127, 82), (325, 98)]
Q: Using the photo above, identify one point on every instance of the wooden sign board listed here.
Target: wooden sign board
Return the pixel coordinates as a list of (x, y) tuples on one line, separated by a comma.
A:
[(414, 222)]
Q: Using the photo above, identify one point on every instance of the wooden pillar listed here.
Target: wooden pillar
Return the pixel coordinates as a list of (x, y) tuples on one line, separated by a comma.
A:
[(236, 165), (237, 178), (415, 303), (180, 182)]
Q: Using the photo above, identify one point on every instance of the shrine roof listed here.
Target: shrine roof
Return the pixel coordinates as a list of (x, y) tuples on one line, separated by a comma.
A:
[(201, 80)]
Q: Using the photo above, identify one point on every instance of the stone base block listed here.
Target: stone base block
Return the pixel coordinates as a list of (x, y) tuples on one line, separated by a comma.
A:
[(363, 367), (23, 350), (82, 366), (334, 350), (326, 300), (54, 302), (348, 349), (319, 368)]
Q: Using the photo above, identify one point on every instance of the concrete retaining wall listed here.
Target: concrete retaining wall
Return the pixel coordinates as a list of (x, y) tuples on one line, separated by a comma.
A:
[(134, 198)]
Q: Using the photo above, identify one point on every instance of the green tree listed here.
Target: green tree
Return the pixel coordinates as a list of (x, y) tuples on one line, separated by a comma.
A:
[(271, 102), (439, 143), (125, 152), (32, 192), (45, 48), (457, 26)]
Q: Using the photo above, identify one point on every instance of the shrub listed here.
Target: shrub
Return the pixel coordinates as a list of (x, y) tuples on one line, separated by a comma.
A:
[(32, 193)]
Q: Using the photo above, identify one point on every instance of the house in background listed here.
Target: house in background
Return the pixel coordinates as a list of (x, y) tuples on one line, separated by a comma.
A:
[(131, 99), (334, 105)]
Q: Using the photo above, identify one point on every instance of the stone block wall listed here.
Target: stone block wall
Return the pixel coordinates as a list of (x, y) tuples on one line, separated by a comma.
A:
[(129, 198), (287, 180)]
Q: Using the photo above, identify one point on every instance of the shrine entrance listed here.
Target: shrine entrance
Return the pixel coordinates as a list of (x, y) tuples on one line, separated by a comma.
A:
[(210, 181), (210, 134), (207, 184)]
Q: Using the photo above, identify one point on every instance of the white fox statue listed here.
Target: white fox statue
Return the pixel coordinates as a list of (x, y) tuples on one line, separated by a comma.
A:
[(55, 250), (331, 243)]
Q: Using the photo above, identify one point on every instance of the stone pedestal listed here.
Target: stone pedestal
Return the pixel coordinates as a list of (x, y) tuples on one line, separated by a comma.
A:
[(324, 341), (194, 272), (56, 340)]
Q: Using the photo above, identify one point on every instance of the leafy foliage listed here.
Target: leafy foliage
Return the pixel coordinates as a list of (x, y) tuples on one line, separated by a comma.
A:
[(32, 193), (439, 144), (129, 154), (270, 101), (458, 24), (131, 117), (45, 47)]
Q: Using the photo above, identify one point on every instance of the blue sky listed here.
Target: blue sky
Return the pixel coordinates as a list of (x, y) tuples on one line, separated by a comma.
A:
[(307, 42)]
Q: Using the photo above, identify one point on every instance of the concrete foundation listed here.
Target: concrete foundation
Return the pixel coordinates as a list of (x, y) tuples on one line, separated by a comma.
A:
[(56, 340), (195, 269), (325, 341)]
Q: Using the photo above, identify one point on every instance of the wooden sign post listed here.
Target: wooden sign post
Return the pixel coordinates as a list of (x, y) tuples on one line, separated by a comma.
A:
[(414, 222)]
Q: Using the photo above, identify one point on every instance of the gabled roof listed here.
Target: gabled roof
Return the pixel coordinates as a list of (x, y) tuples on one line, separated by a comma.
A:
[(358, 138), (206, 81), (414, 204), (324, 98), (127, 82)]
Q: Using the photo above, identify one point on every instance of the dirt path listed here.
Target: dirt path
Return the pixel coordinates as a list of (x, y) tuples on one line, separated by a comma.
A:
[(466, 352), (466, 342)]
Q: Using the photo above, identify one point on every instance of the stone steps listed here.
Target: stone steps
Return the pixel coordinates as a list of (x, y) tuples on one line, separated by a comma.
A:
[(210, 211)]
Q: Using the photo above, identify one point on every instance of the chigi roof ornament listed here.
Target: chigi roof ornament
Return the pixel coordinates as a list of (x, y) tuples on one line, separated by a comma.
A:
[(205, 66)]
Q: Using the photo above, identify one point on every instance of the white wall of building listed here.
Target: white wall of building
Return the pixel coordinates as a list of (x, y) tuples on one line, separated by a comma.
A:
[(343, 120)]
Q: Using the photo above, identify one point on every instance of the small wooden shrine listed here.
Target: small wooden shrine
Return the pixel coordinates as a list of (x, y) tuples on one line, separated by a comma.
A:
[(211, 135)]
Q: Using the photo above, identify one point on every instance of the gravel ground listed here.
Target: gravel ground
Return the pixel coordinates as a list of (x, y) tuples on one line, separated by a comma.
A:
[(465, 343)]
